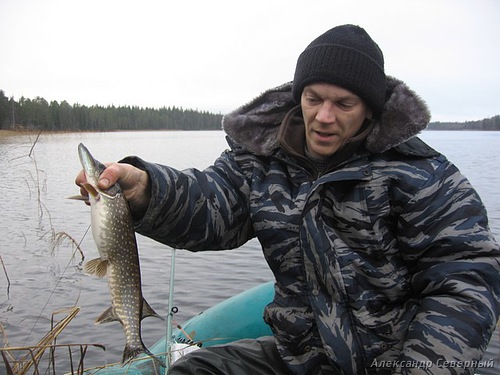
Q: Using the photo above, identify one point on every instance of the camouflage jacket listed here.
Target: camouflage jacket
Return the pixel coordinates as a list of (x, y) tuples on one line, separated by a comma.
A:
[(384, 264)]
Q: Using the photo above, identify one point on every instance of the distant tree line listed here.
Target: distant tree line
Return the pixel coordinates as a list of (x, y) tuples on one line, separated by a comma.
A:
[(492, 123), (38, 114)]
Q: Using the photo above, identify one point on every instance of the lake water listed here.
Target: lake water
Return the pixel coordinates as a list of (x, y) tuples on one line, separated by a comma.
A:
[(36, 176)]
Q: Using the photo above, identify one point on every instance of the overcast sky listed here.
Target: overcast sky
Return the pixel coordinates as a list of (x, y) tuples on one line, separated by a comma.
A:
[(215, 55)]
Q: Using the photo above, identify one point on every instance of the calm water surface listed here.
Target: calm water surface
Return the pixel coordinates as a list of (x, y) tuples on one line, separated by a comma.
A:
[(45, 275)]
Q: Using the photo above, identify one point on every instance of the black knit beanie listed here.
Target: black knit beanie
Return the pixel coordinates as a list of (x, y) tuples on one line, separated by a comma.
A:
[(345, 56)]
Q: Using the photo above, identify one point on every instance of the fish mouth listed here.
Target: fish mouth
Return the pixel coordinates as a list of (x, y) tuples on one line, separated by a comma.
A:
[(92, 169), (89, 167), (87, 160), (91, 190)]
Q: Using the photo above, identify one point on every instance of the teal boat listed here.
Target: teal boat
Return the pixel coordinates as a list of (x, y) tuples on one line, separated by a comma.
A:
[(236, 318)]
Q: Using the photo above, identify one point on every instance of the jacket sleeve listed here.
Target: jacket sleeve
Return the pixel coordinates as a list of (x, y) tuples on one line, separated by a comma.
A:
[(456, 275), (196, 210)]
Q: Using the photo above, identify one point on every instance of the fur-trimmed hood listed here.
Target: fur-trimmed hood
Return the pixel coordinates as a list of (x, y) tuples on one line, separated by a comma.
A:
[(255, 125)]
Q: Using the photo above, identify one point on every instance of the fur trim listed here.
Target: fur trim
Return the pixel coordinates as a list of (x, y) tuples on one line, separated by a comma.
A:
[(405, 115), (255, 125)]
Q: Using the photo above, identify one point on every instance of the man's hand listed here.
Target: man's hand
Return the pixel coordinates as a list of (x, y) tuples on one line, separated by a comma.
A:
[(133, 181)]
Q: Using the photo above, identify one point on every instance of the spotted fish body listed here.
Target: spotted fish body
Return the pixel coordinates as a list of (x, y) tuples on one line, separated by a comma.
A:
[(113, 232)]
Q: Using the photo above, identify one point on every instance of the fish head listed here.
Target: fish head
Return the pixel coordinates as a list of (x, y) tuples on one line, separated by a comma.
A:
[(93, 169)]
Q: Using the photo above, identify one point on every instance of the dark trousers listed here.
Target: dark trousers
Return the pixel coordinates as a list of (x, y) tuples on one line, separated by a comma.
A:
[(243, 357)]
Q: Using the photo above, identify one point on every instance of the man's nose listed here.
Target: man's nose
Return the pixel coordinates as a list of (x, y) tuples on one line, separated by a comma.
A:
[(326, 113)]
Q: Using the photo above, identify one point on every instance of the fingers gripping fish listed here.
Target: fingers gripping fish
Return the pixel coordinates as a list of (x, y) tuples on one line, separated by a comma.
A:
[(113, 232)]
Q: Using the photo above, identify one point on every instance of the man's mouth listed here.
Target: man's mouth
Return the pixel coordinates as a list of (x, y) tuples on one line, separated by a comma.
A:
[(323, 135)]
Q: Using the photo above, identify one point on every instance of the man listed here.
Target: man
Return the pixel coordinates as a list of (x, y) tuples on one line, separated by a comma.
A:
[(381, 251)]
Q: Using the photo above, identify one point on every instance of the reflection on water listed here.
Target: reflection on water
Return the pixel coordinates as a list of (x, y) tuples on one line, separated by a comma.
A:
[(34, 185), (35, 179)]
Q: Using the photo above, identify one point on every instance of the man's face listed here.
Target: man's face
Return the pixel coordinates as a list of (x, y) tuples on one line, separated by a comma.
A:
[(332, 115)]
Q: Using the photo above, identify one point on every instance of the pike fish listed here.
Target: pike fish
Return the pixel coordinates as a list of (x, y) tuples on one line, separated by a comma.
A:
[(113, 232)]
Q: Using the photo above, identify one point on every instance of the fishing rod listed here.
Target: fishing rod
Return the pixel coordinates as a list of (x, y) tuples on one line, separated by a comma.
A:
[(171, 311)]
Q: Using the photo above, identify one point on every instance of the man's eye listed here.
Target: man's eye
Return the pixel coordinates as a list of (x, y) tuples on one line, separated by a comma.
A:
[(345, 105), (312, 100)]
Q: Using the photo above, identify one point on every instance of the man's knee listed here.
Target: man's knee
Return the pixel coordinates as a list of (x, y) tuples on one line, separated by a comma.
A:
[(246, 357), (190, 365)]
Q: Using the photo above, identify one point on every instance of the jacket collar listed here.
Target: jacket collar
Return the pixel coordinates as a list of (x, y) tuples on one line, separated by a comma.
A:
[(292, 140), (255, 125)]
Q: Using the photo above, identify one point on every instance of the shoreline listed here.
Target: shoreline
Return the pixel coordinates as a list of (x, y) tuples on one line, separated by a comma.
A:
[(10, 132), (15, 133)]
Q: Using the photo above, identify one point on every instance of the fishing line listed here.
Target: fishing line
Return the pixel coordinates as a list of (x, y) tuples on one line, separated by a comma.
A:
[(54, 290)]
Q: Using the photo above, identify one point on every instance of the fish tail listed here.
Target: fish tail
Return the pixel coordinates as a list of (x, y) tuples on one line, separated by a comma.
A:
[(130, 353)]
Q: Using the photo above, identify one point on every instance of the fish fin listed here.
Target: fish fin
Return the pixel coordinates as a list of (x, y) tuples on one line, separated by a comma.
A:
[(107, 316), (97, 267), (79, 198), (148, 311), (130, 353)]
